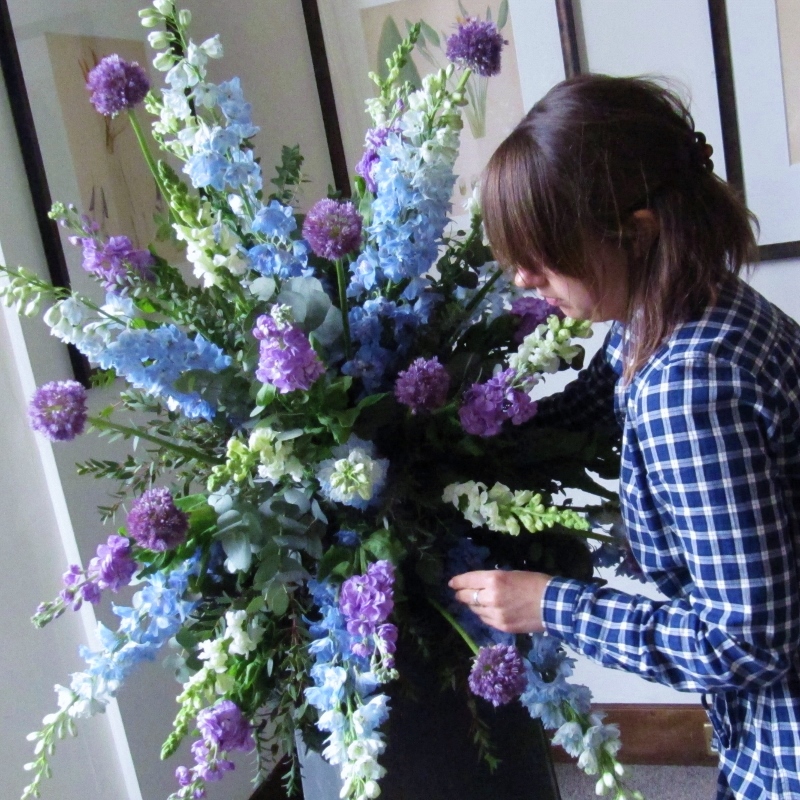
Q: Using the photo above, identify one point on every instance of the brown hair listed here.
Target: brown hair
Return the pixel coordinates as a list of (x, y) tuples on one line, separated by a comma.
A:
[(592, 151)]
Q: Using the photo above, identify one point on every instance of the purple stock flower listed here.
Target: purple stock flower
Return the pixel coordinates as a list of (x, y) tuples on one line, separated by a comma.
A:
[(332, 228), (533, 311), (498, 674), (113, 262), (224, 725), (286, 358), (367, 600), (488, 405), (90, 592), (58, 410), (154, 521), (476, 44), (209, 768), (113, 566), (374, 140), (423, 386), (117, 85)]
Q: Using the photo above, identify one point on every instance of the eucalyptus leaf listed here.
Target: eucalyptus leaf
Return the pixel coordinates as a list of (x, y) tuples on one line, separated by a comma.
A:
[(277, 599)]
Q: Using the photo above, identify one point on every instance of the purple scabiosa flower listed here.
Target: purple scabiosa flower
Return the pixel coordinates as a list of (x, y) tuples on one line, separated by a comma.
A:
[(498, 674), (367, 600), (332, 228), (423, 386), (154, 521), (487, 405), (533, 311), (117, 85), (113, 566), (476, 44), (224, 725), (373, 141), (286, 358), (58, 410)]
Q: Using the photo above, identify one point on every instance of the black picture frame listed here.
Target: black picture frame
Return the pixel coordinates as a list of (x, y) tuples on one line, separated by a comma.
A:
[(11, 69)]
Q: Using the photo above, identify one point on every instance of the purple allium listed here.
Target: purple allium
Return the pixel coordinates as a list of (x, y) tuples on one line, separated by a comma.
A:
[(225, 726), (367, 600), (423, 386), (58, 410), (488, 405), (286, 358), (533, 312), (332, 228), (117, 85), (154, 521), (113, 566), (476, 44), (374, 140), (498, 674)]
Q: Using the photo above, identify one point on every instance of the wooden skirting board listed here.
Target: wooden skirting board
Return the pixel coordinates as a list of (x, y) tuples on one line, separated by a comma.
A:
[(666, 734)]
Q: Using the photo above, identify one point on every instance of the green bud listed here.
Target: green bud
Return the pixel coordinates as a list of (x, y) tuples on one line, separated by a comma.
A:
[(184, 18), (150, 18), (158, 40)]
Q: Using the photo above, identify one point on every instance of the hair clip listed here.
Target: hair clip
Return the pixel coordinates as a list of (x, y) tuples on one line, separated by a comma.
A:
[(701, 152)]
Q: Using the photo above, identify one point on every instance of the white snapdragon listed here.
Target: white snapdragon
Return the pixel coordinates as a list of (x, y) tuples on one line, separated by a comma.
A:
[(244, 635), (214, 653), (543, 348), (211, 247)]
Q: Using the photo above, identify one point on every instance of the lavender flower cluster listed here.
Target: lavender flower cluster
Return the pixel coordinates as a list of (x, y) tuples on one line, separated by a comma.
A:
[(286, 358), (487, 406), (116, 262), (423, 386), (366, 601), (112, 568), (223, 729)]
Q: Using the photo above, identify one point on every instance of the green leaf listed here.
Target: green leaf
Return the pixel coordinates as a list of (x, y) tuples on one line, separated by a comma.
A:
[(383, 546), (277, 599), (502, 14), (266, 394), (338, 560), (429, 33)]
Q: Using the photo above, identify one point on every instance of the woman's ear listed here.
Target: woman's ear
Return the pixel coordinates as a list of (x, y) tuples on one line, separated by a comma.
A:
[(643, 229)]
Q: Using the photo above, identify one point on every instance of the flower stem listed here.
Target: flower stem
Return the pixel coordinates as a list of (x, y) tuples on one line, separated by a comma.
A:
[(189, 452), (340, 276), (456, 627), (148, 157)]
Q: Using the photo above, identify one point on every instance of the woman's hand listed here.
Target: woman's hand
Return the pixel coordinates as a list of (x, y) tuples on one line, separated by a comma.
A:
[(510, 601)]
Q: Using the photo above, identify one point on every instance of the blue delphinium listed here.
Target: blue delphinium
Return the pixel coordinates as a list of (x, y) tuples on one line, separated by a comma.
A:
[(154, 360), (157, 613)]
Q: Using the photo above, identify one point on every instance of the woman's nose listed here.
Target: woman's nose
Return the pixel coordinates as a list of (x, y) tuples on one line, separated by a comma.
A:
[(525, 279)]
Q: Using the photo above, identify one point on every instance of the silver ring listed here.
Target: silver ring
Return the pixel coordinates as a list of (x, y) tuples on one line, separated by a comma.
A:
[(475, 597)]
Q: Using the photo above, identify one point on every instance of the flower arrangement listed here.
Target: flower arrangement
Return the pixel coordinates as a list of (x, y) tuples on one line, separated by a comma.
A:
[(338, 414)]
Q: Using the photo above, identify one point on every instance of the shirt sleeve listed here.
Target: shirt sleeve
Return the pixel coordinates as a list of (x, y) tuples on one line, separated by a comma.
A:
[(588, 401), (710, 449)]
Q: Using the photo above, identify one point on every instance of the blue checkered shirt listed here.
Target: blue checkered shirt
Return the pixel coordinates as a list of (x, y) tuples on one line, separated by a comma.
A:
[(710, 493)]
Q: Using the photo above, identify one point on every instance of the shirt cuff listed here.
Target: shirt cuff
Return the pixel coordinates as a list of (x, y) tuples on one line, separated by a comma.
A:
[(561, 596)]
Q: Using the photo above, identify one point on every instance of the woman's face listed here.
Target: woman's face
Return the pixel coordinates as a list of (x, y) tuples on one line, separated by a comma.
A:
[(574, 297)]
